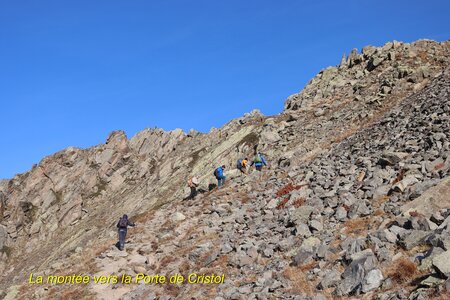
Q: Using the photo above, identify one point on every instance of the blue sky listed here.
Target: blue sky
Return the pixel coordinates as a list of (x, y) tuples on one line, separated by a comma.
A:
[(73, 71)]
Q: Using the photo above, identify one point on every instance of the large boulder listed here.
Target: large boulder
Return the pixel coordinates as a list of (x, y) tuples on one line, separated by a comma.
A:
[(434, 199), (442, 263)]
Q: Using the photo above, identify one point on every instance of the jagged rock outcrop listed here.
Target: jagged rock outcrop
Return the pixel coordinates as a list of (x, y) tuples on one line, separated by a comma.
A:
[(375, 75), (341, 211)]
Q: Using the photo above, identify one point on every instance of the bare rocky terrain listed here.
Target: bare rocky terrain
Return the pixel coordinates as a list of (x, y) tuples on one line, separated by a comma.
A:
[(355, 202)]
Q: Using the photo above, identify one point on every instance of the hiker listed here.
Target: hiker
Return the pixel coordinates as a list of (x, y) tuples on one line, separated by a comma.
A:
[(122, 226), (242, 165), (192, 183), (2, 201), (259, 161), (219, 176)]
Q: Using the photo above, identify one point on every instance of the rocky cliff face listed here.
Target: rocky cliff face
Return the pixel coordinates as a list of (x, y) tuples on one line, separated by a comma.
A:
[(357, 161)]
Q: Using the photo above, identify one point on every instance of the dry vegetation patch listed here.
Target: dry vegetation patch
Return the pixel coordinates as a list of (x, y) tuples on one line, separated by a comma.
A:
[(282, 203), (356, 226), (308, 266), (299, 202), (402, 271), (299, 283), (287, 189)]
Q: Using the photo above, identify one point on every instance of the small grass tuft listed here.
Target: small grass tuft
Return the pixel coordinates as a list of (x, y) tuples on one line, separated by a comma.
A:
[(287, 189), (282, 203), (356, 226), (298, 202), (299, 282), (403, 270), (439, 166)]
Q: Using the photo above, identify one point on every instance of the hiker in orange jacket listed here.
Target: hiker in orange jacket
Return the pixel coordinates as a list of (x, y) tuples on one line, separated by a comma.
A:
[(242, 165)]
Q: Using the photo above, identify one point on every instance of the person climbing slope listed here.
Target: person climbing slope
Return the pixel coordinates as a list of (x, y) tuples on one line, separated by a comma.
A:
[(192, 183), (122, 226), (242, 165), (218, 173), (259, 161)]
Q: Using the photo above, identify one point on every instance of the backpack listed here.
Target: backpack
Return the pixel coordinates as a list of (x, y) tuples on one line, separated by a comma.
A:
[(123, 223), (239, 164), (216, 173), (258, 158)]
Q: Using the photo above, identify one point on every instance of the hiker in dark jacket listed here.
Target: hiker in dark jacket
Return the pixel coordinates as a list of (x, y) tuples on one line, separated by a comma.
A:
[(193, 184), (122, 226), (259, 161), (220, 176)]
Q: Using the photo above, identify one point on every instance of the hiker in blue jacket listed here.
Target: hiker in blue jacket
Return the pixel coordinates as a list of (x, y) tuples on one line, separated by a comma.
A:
[(220, 176), (259, 161), (122, 226)]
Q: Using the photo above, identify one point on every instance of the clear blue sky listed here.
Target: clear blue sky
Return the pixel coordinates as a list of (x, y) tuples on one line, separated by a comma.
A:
[(73, 71)]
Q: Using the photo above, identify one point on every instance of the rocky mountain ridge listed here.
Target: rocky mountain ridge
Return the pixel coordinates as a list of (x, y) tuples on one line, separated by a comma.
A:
[(350, 151)]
